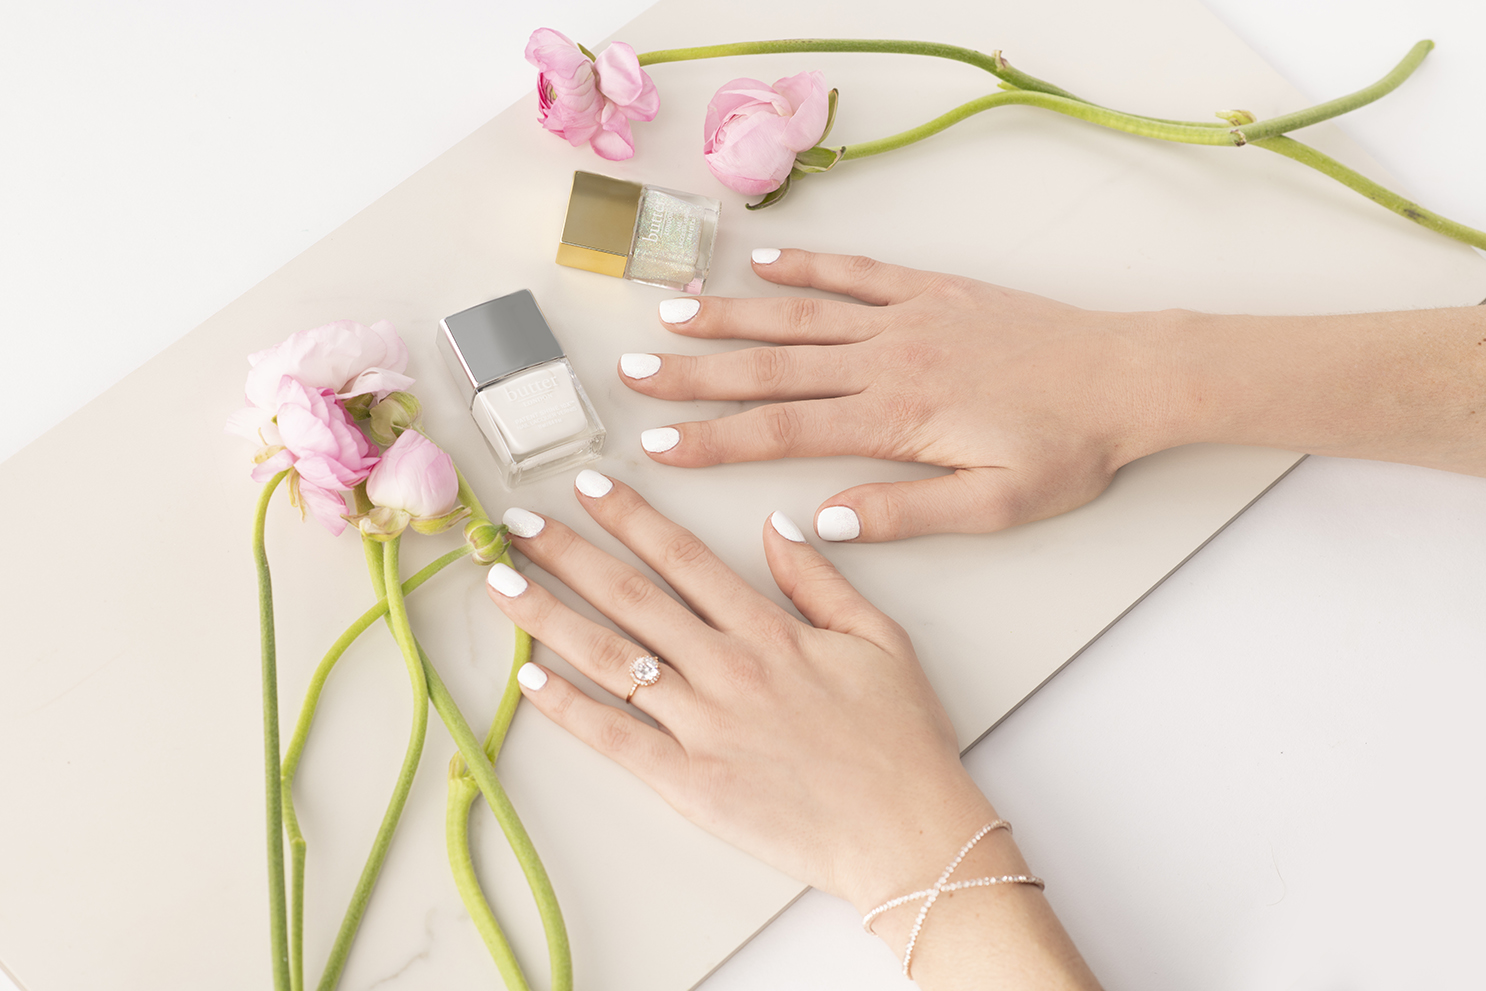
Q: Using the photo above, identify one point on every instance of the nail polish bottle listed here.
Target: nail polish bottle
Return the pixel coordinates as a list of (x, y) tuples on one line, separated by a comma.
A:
[(661, 237), (520, 388)]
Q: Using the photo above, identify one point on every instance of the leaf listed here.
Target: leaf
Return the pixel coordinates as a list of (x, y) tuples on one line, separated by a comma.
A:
[(775, 196), (591, 57), (830, 116), (818, 159)]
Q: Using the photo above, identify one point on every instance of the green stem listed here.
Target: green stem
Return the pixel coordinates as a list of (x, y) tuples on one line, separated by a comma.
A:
[(297, 845), (1306, 155), (462, 794), (1259, 130), (478, 765), (277, 921), (397, 614), (1142, 126)]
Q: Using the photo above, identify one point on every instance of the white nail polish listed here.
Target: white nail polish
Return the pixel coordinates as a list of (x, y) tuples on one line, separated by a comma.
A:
[(522, 523), (785, 527), (531, 677), (504, 579), (660, 439), (592, 484), (838, 523), (639, 366), (679, 310), (765, 256)]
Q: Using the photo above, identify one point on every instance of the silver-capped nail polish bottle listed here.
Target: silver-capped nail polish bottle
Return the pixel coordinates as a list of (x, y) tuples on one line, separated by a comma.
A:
[(520, 388), (661, 237)]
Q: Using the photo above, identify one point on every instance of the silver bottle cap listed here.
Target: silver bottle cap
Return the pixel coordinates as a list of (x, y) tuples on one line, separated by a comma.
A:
[(492, 340)]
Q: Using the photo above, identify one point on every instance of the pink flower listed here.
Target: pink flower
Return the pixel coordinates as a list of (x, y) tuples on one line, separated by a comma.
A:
[(416, 475), (592, 100), (753, 131), (345, 357), (317, 438)]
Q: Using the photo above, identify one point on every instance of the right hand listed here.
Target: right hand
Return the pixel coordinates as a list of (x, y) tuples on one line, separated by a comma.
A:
[(1033, 403)]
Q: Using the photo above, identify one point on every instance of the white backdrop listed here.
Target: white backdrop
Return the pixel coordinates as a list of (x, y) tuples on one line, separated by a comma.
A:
[(1264, 776)]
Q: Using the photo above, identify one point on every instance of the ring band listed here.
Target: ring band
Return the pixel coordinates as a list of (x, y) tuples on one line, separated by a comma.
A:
[(644, 671)]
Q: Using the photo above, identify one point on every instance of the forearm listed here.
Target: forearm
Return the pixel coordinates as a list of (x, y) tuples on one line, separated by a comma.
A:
[(1407, 387)]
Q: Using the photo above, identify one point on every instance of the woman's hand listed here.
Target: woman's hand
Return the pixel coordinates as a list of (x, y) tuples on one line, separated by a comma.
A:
[(1033, 403), (819, 748)]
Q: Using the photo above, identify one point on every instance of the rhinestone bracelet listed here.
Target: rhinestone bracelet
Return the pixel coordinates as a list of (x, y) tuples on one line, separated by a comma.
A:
[(931, 895)]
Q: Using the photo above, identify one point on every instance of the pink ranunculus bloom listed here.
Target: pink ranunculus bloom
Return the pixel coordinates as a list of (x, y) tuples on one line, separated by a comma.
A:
[(345, 357), (316, 437), (753, 131), (416, 476), (592, 100)]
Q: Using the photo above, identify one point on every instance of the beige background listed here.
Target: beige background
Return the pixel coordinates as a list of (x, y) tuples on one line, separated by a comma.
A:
[(132, 715)]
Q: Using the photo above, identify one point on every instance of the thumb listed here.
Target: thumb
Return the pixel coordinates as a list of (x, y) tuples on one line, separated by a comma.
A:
[(824, 597), (970, 500)]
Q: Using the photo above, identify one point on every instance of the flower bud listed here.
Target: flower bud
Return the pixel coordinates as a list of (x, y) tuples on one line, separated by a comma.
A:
[(488, 539), (389, 418)]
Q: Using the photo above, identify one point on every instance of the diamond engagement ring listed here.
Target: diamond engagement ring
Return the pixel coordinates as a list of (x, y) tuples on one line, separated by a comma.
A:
[(645, 671)]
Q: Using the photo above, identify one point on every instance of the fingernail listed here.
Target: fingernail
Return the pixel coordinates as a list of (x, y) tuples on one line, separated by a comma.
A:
[(679, 310), (838, 523), (660, 439), (522, 523), (639, 366), (592, 484), (785, 527), (504, 579), (531, 676), (765, 256)]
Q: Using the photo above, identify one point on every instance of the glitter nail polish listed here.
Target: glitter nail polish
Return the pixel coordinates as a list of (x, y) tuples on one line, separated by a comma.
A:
[(660, 237), (520, 388)]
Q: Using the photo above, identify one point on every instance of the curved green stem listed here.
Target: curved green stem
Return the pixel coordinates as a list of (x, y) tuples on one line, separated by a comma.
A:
[(462, 792), (1259, 130), (1142, 126), (397, 614), (478, 766), (277, 921), (1306, 155), (297, 845)]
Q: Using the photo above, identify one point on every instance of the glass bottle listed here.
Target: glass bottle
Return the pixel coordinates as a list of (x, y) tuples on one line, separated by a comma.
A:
[(660, 237)]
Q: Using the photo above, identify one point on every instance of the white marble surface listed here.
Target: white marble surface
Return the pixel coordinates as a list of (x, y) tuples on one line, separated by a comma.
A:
[(1263, 776)]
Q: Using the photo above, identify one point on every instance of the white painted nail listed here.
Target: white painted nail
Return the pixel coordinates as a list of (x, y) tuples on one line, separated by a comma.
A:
[(639, 366), (522, 523), (531, 676), (592, 484), (838, 523), (679, 310), (504, 579), (660, 439), (785, 527), (765, 256)]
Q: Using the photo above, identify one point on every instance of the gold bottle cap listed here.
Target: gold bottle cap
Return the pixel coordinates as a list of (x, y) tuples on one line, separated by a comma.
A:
[(601, 223)]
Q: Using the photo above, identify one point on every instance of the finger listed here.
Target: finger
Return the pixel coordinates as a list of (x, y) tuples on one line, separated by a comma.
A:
[(788, 320), (757, 373), (867, 279), (600, 653), (809, 429), (971, 500), (711, 588), (818, 590), (646, 752)]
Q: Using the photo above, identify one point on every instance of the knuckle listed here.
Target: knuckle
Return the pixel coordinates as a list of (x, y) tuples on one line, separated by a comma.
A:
[(632, 590), (770, 368), (775, 632), (559, 706), (802, 314), (860, 266), (615, 731), (681, 551), (781, 425)]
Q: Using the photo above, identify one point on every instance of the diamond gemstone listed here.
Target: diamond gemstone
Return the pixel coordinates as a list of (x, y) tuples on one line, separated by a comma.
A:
[(645, 670)]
